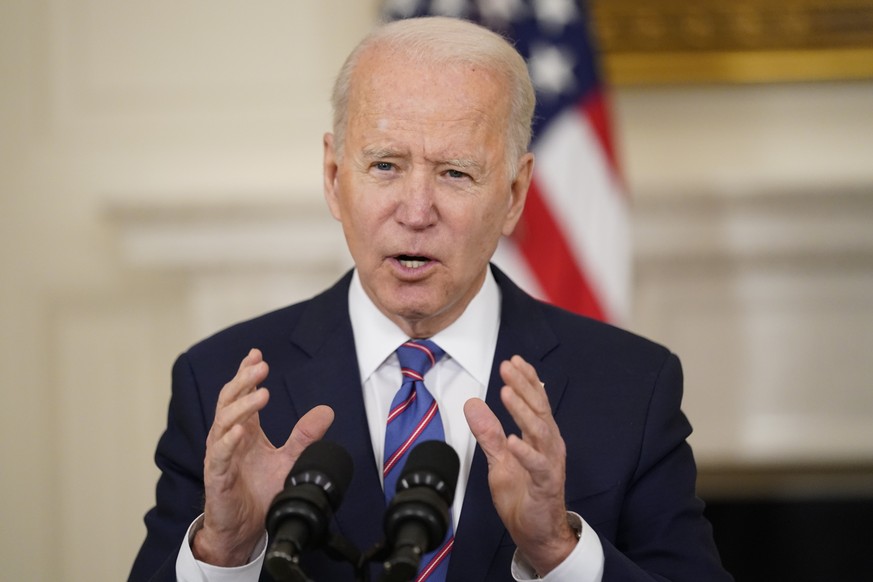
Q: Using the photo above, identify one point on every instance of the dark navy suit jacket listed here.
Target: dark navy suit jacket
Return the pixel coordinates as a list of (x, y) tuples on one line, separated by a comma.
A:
[(615, 397)]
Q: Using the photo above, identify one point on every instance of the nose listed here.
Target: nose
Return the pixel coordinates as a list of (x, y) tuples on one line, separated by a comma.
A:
[(416, 208)]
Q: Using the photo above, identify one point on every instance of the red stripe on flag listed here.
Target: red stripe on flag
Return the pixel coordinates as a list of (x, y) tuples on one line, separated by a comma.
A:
[(595, 108), (550, 258)]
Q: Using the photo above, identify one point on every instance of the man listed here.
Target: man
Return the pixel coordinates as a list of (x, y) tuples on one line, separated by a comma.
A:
[(426, 169)]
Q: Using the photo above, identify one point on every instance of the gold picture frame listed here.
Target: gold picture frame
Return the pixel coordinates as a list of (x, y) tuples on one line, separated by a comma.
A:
[(651, 42)]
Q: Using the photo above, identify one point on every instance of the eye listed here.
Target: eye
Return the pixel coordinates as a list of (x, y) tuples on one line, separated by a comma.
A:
[(455, 174), (384, 166)]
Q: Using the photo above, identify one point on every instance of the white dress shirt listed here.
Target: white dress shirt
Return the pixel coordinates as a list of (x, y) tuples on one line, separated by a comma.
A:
[(463, 373)]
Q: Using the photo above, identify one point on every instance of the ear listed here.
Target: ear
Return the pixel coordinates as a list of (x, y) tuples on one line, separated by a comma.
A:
[(518, 193), (331, 171)]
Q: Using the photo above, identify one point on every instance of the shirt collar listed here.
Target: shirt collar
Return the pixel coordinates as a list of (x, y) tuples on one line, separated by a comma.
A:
[(470, 340)]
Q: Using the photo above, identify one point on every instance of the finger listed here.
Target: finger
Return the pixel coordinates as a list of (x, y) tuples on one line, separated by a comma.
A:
[(252, 357), (525, 397), (252, 371), (544, 471), (526, 369), (228, 431), (486, 429), (236, 413), (523, 378), (534, 427), (310, 428), (220, 453), (540, 451), (526, 400)]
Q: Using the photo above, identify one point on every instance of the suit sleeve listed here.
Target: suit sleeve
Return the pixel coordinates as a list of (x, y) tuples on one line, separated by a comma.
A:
[(179, 494), (662, 534)]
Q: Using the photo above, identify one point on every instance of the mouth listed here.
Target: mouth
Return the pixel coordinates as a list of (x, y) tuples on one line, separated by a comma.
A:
[(412, 261)]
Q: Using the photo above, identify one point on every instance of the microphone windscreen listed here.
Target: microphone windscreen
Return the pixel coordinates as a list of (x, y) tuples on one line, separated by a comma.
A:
[(434, 464), (326, 464)]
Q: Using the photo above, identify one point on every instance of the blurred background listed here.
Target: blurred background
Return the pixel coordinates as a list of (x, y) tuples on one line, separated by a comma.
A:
[(160, 178)]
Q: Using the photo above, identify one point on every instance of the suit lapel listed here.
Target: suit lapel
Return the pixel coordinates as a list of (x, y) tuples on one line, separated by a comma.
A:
[(480, 530), (328, 374)]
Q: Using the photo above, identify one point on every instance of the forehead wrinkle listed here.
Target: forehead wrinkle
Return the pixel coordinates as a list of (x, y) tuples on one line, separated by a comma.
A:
[(381, 152), (405, 135)]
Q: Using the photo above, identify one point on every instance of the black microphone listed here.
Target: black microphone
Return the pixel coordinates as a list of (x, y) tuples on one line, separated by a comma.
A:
[(417, 519), (299, 516)]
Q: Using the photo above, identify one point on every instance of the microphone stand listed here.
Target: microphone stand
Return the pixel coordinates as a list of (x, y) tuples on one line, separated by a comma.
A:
[(340, 549)]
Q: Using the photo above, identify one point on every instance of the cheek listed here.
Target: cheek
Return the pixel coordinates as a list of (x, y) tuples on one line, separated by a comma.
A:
[(478, 234), (492, 221), (367, 229)]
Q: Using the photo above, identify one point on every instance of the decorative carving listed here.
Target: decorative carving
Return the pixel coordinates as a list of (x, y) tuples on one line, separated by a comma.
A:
[(744, 41)]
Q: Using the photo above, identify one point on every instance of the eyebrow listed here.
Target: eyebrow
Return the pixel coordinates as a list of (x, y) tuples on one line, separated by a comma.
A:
[(462, 163), (384, 153), (377, 153)]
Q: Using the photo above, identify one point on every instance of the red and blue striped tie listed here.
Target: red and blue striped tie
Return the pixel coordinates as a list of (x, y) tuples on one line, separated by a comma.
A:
[(415, 418)]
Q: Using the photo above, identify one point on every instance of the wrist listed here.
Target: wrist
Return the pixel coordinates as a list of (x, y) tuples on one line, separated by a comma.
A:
[(218, 550), (557, 549)]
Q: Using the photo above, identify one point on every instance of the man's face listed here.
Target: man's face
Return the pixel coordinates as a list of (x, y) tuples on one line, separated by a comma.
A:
[(422, 187)]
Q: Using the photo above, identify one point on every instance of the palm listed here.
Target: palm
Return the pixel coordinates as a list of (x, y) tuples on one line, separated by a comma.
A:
[(261, 471)]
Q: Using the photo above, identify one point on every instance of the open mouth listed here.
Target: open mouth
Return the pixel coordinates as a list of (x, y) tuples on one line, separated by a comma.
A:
[(412, 261)]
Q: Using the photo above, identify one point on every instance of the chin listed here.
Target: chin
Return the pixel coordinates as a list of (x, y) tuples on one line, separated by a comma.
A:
[(415, 302), (411, 311)]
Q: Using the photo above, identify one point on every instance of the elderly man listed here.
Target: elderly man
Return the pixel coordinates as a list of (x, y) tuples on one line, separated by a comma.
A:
[(426, 169)]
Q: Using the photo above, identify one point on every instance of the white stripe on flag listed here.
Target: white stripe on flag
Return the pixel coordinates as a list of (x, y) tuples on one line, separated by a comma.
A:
[(585, 199), (511, 261)]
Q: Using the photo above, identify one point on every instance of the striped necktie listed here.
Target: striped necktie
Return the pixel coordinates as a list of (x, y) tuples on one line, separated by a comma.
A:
[(415, 418)]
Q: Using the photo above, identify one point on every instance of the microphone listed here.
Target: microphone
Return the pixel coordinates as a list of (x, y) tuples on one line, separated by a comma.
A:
[(299, 516), (417, 519)]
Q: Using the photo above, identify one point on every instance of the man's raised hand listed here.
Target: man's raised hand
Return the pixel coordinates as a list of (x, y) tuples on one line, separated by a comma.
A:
[(242, 470)]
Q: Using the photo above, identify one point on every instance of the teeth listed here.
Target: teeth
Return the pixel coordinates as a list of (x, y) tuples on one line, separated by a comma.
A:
[(412, 263)]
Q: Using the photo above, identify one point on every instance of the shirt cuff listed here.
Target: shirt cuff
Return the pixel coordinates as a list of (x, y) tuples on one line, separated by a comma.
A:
[(190, 569), (584, 564)]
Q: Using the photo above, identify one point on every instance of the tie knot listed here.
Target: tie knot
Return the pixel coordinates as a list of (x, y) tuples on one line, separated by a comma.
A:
[(417, 357)]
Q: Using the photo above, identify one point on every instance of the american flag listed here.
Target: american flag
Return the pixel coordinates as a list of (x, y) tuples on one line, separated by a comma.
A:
[(572, 247)]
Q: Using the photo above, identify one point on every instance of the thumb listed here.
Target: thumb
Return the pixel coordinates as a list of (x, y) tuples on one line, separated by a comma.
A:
[(486, 428), (310, 428)]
